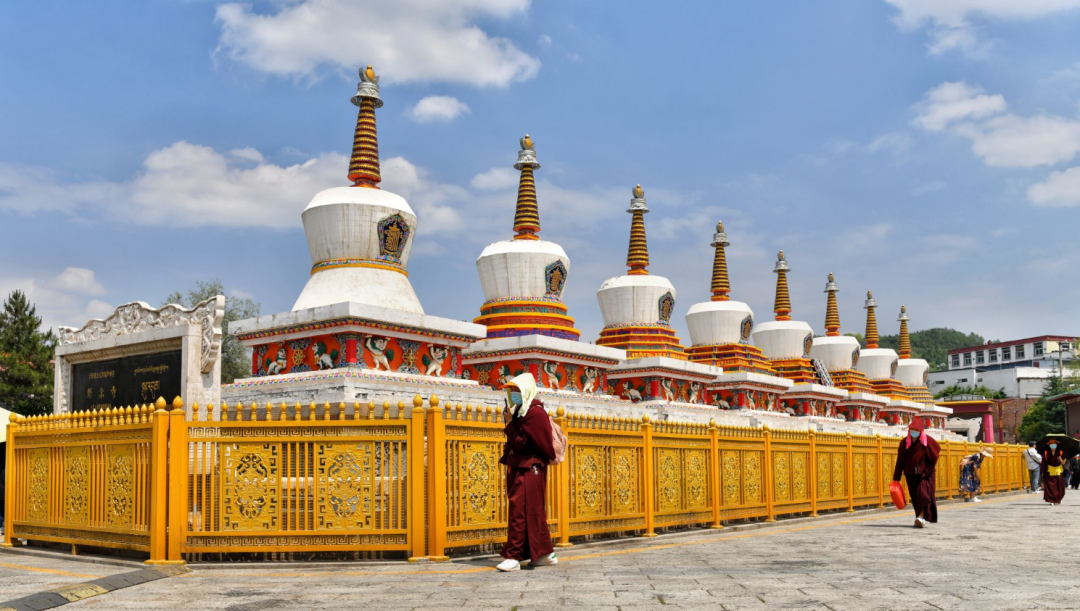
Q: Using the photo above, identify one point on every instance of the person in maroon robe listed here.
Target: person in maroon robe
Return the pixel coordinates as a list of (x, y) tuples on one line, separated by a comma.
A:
[(529, 448), (916, 459), (1053, 485)]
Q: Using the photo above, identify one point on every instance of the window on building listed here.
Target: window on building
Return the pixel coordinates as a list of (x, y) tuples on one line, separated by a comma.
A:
[(993, 355), (1006, 354), (938, 382), (980, 357), (967, 359), (956, 360), (1038, 348), (962, 380), (1019, 352)]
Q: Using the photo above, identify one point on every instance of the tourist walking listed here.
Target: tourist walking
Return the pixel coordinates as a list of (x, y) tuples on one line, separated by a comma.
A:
[(970, 474), (529, 448), (1074, 467), (1053, 474), (916, 460), (1033, 461)]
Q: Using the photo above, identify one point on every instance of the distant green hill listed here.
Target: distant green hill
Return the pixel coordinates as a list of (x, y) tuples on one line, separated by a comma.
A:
[(930, 344)]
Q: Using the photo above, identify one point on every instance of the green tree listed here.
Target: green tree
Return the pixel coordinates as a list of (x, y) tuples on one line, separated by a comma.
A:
[(235, 358), (981, 389), (1044, 417), (26, 371), (934, 344)]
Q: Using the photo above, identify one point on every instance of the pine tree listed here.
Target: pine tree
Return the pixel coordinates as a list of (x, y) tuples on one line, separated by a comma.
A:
[(26, 370)]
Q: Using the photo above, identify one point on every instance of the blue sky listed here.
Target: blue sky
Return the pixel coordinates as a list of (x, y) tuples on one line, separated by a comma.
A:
[(927, 150)]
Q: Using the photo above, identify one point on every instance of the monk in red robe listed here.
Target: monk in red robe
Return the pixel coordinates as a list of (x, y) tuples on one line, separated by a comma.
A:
[(529, 448), (916, 459), (1053, 485)]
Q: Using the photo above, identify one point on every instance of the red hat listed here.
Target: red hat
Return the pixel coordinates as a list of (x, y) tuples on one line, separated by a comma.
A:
[(917, 424)]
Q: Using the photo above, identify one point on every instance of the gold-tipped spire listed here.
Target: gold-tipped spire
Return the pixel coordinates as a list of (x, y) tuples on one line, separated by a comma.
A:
[(637, 257), (832, 312), (905, 339), (871, 337), (720, 285), (364, 165), (527, 215), (782, 305)]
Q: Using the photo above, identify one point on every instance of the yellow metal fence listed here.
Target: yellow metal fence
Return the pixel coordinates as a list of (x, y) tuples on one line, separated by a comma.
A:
[(419, 480)]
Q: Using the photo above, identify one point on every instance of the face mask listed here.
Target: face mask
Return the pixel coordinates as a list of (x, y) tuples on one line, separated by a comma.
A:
[(915, 434), (1052, 448), (515, 398)]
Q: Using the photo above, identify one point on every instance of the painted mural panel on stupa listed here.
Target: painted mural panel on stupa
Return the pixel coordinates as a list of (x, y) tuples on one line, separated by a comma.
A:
[(377, 353)]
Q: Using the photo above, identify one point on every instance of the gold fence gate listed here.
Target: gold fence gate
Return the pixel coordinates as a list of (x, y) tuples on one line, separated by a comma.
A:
[(419, 480)]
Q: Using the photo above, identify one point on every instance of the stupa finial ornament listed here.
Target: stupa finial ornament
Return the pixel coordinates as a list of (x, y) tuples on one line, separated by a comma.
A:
[(364, 165), (871, 337), (905, 339), (832, 312), (527, 215), (721, 286), (637, 258), (782, 304)]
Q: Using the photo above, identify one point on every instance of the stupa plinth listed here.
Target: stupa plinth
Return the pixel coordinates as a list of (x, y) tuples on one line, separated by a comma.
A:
[(637, 309), (528, 326), (358, 317)]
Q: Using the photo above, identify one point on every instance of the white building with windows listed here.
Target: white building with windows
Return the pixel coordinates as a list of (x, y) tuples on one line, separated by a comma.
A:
[(1020, 367)]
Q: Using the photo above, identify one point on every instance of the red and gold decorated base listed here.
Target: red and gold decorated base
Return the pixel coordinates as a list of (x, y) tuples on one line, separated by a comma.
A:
[(810, 406), (351, 349), (889, 387), (646, 387), (920, 394), (851, 380), (552, 374), (743, 397), (517, 317), (800, 371), (858, 412), (731, 357), (642, 341)]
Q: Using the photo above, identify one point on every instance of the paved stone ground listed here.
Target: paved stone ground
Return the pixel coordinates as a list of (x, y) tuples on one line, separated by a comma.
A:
[(982, 557)]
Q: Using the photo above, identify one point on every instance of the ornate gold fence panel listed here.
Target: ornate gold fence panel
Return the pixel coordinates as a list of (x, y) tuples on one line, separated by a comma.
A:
[(295, 479), (790, 463), (869, 487), (683, 467), (831, 457), (743, 491), (87, 478)]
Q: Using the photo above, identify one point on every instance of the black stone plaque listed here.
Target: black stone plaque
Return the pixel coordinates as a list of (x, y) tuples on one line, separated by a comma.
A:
[(127, 381)]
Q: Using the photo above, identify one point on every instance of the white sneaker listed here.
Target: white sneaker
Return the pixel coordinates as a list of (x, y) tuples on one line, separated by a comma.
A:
[(509, 565), (548, 560), (976, 500), (919, 523)]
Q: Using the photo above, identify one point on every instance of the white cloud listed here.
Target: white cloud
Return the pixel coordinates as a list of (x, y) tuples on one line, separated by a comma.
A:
[(405, 40), (544, 41), (66, 299), (1060, 189), (440, 108), (951, 102), (894, 142), (951, 22), (495, 179)]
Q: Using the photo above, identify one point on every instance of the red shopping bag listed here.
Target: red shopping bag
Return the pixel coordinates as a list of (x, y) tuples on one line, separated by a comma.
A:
[(897, 493)]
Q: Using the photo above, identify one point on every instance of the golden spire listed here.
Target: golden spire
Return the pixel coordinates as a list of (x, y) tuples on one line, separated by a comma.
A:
[(364, 164), (527, 215), (871, 336), (832, 313), (905, 339), (637, 258), (782, 305), (720, 285)]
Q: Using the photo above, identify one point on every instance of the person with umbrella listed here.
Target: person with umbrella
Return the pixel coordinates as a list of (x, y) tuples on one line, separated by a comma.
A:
[(970, 480), (916, 460), (1055, 451)]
